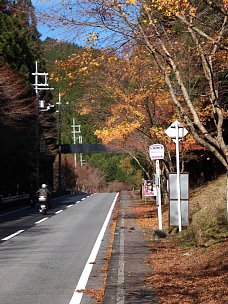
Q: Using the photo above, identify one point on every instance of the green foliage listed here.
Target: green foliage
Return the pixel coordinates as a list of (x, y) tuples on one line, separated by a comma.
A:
[(55, 50), (116, 167), (119, 168), (19, 38)]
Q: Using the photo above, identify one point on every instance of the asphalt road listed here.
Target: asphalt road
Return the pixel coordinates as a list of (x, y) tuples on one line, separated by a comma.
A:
[(42, 258)]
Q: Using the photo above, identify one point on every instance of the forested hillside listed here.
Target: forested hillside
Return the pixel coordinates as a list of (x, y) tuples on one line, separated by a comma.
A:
[(20, 47), (125, 86), (157, 62), (111, 168)]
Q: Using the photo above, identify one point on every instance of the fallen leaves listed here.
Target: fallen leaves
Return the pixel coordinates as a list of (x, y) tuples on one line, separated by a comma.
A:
[(184, 275)]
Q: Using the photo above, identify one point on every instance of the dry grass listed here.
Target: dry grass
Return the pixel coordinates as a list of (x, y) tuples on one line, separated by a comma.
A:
[(208, 214)]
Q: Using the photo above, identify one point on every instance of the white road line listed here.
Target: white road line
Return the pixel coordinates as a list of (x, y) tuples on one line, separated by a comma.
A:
[(69, 206), (120, 295), (40, 221), (57, 212), (12, 235), (77, 296), (83, 198), (77, 202), (15, 211)]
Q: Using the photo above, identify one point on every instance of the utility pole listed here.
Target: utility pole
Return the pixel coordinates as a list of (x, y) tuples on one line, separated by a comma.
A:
[(59, 111), (76, 130), (41, 84), (59, 143)]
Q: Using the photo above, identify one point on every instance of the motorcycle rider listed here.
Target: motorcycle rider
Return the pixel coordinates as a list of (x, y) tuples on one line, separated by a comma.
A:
[(45, 191)]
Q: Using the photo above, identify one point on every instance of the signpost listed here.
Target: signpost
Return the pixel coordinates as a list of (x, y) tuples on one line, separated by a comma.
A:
[(176, 131), (156, 152)]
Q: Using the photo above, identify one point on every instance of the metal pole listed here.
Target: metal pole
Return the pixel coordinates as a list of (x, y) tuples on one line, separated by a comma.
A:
[(37, 128), (178, 177), (59, 144), (74, 141), (159, 195), (81, 157), (38, 87)]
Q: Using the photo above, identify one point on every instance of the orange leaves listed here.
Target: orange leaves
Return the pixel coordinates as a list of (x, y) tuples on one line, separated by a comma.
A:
[(76, 65), (117, 133), (158, 134), (130, 1), (205, 113), (225, 2), (171, 7)]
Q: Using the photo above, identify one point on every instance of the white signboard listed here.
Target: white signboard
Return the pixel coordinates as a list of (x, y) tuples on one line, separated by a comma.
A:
[(184, 199), (176, 130), (156, 151)]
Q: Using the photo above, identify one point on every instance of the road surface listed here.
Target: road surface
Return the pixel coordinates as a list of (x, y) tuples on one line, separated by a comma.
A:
[(43, 259)]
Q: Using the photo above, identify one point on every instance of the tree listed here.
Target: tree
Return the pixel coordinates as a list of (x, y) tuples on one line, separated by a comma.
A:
[(164, 28), (19, 119), (19, 39)]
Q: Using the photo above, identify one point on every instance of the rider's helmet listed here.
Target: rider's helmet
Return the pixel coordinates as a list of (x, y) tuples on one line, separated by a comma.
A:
[(44, 186)]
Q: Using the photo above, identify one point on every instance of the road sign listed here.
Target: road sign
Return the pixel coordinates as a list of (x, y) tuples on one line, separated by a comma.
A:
[(175, 127), (176, 131), (156, 151)]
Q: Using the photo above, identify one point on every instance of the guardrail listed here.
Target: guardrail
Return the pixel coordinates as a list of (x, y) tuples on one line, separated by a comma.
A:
[(15, 199)]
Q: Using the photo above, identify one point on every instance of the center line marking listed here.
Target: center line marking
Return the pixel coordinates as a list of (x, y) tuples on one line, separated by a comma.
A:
[(69, 206), (12, 235), (57, 212), (40, 221)]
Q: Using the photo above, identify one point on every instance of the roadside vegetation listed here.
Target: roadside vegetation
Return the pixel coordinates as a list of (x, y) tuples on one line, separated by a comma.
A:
[(190, 267), (208, 218)]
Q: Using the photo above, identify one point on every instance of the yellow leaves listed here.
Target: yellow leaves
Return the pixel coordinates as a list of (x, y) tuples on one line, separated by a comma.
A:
[(83, 69), (69, 75), (130, 1), (158, 134), (173, 7), (85, 111), (118, 132), (79, 65)]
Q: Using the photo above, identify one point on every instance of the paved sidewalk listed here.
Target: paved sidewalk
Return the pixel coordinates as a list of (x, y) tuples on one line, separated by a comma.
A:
[(126, 282)]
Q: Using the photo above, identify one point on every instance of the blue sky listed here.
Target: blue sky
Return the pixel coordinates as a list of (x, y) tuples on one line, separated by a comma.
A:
[(43, 29), (72, 34), (58, 33)]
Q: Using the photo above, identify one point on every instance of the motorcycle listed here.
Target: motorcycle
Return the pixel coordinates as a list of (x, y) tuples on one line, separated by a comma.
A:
[(43, 204)]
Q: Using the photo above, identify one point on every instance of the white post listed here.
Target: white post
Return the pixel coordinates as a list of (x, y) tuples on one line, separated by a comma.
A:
[(159, 195), (36, 79), (178, 177), (74, 141)]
